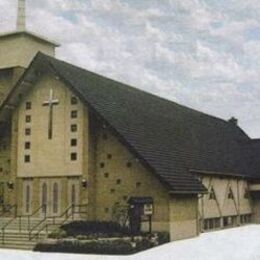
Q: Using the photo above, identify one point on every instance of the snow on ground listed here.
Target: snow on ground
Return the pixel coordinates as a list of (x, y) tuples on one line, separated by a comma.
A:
[(241, 243)]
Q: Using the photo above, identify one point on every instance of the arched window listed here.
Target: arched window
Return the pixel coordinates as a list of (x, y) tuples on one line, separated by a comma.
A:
[(55, 198), (44, 197), (27, 198), (73, 194)]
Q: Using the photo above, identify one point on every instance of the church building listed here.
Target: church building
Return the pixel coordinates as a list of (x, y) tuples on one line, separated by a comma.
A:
[(70, 138)]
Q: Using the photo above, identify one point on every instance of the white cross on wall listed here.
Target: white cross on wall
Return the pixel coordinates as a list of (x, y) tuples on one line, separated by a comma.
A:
[(50, 103)]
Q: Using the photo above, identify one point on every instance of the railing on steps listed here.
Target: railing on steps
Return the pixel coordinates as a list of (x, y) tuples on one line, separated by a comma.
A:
[(69, 212), (8, 222), (30, 216)]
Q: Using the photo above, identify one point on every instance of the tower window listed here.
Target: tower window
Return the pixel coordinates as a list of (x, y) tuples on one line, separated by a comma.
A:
[(73, 142), (27, 131), (27, 145), (73, 101), (28, 105), (106, 174), (73, 156), (109, 156), (112, 190), (118, 181), (74, 114), (74, 128), (28, 119), (27, 158)]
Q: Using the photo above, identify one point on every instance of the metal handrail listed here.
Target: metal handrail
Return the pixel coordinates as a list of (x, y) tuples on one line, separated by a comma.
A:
[(46, 225), (30, 216), (66, 212), (4, 228)]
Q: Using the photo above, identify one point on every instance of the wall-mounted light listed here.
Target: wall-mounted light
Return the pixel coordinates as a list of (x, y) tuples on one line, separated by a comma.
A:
[(10, 185), (84, 183)]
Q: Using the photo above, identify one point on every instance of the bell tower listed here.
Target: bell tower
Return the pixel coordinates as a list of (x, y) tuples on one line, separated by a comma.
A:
[(18, 48)]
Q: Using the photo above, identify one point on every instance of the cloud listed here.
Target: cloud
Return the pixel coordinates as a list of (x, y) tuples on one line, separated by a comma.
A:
[(203, 54)]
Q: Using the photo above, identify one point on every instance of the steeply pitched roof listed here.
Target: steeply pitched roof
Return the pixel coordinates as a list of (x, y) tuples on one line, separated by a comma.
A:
[(169, 138), (251, 154)]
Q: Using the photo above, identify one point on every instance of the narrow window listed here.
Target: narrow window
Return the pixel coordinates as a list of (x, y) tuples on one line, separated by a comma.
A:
[(129, 165), (44, 197), (73, 156), (102, 165), (27, 145), (138, 184), (28, 119), (74, 128), (109, 156), (73, 194), (27, 158), (28, 105), (27, 131), (74, 114), (73, 101), (118, 181), (55, 198), (106, 174), (27, 198), (73, 142)]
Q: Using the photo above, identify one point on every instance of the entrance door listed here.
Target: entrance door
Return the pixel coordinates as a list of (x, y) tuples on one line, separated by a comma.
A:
[(135, 213), (50, 198)]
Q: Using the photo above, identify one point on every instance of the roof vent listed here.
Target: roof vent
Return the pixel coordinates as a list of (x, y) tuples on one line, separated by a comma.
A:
[(233, 121)]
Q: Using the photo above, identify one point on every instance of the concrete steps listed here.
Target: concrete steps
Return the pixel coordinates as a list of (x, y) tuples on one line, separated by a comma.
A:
[(17, 238)]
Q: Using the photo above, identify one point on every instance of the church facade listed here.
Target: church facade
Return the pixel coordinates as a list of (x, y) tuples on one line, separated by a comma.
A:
[(71, 137)]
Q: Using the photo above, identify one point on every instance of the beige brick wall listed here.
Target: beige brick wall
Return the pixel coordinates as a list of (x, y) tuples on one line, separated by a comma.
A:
[(116, 182), (50, 157), (19, 50), (183, 216)]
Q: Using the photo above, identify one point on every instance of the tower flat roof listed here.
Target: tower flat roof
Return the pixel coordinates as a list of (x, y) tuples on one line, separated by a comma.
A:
[(31, 34)]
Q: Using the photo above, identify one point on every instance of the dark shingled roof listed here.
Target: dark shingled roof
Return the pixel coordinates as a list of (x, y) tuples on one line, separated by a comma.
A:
[(169, 138)]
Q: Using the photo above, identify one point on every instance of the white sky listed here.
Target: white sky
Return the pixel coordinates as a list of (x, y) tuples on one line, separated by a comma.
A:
[(204, 54)]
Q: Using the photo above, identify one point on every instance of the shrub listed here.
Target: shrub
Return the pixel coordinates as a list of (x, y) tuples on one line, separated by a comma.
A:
[(163, 237), (85, 228), (108, 247), (58, 233)]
